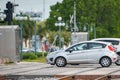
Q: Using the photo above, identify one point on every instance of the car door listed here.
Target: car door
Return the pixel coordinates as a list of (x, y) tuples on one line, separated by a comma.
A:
[(77, 53), (95, 52)]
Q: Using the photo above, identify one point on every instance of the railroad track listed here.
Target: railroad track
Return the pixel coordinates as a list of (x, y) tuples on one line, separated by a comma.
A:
[(53, 70), (72, 76), (107, 76)]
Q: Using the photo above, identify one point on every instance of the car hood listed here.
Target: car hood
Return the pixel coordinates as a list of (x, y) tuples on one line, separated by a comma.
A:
[(58, 51)]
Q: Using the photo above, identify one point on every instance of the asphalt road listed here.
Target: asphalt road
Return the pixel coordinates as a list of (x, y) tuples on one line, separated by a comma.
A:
[(42, 71)]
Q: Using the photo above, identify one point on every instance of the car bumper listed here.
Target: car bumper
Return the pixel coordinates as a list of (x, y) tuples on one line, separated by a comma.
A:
[(114, 59), (50, 60)]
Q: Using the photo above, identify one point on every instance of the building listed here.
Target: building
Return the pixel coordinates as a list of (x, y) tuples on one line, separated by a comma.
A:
[(78, 37)]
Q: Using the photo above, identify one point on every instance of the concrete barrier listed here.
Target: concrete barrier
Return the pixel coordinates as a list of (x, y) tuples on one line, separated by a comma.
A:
[(4, 60), (0, 60)]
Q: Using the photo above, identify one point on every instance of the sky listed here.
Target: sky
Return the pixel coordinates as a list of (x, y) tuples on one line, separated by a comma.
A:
[(31, 5)]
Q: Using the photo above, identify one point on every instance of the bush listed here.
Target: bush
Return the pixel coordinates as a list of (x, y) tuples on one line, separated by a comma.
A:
[(40, 54), (29, 56), (45, 53)]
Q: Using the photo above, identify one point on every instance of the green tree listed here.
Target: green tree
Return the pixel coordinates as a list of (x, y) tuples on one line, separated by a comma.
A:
[(28, 29), (64, 35), (103, 13)]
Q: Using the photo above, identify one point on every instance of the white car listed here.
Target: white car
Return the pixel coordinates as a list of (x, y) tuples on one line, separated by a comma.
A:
[(115, 42), (24, 50), (84, 52)]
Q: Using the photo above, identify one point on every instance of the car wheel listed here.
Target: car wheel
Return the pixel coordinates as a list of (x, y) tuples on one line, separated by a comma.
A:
[(105, 62), (117, 62), (60, 62)]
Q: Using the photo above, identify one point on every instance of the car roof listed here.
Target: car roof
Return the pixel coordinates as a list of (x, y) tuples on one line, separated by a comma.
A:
[(118, 39), (93, 41)]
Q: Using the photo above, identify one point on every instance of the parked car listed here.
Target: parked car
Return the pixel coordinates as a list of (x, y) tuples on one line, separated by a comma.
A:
[(52, 49), (115, 42), (24, 50), (84, 52)]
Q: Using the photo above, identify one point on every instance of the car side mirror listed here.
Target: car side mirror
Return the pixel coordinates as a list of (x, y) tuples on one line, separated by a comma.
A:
[(70, 50)]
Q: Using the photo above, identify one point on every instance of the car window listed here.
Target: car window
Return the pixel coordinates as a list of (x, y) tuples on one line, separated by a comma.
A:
[(82, 46), (78, 47), (96, 46), (114, 42)]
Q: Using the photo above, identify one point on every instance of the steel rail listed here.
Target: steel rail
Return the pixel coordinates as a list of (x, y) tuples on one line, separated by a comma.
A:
[(104, 77), (107, 76), (72, 76)]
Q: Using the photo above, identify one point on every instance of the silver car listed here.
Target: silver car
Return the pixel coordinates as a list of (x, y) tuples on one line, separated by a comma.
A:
[(115, 42), (84, 52)]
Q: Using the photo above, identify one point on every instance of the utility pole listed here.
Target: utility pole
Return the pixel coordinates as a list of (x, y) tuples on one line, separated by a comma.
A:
[(43, 9), (74, 16), (75, 25)]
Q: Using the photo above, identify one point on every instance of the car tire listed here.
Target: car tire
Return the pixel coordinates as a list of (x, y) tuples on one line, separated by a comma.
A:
[(117, 62), (105, 62), (60, 62)]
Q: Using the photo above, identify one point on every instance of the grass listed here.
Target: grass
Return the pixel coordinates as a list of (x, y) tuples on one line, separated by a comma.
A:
[(41, 60), (8, 63)]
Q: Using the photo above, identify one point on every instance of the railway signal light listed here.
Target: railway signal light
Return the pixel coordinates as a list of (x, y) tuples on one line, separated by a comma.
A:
[(9, 12)]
